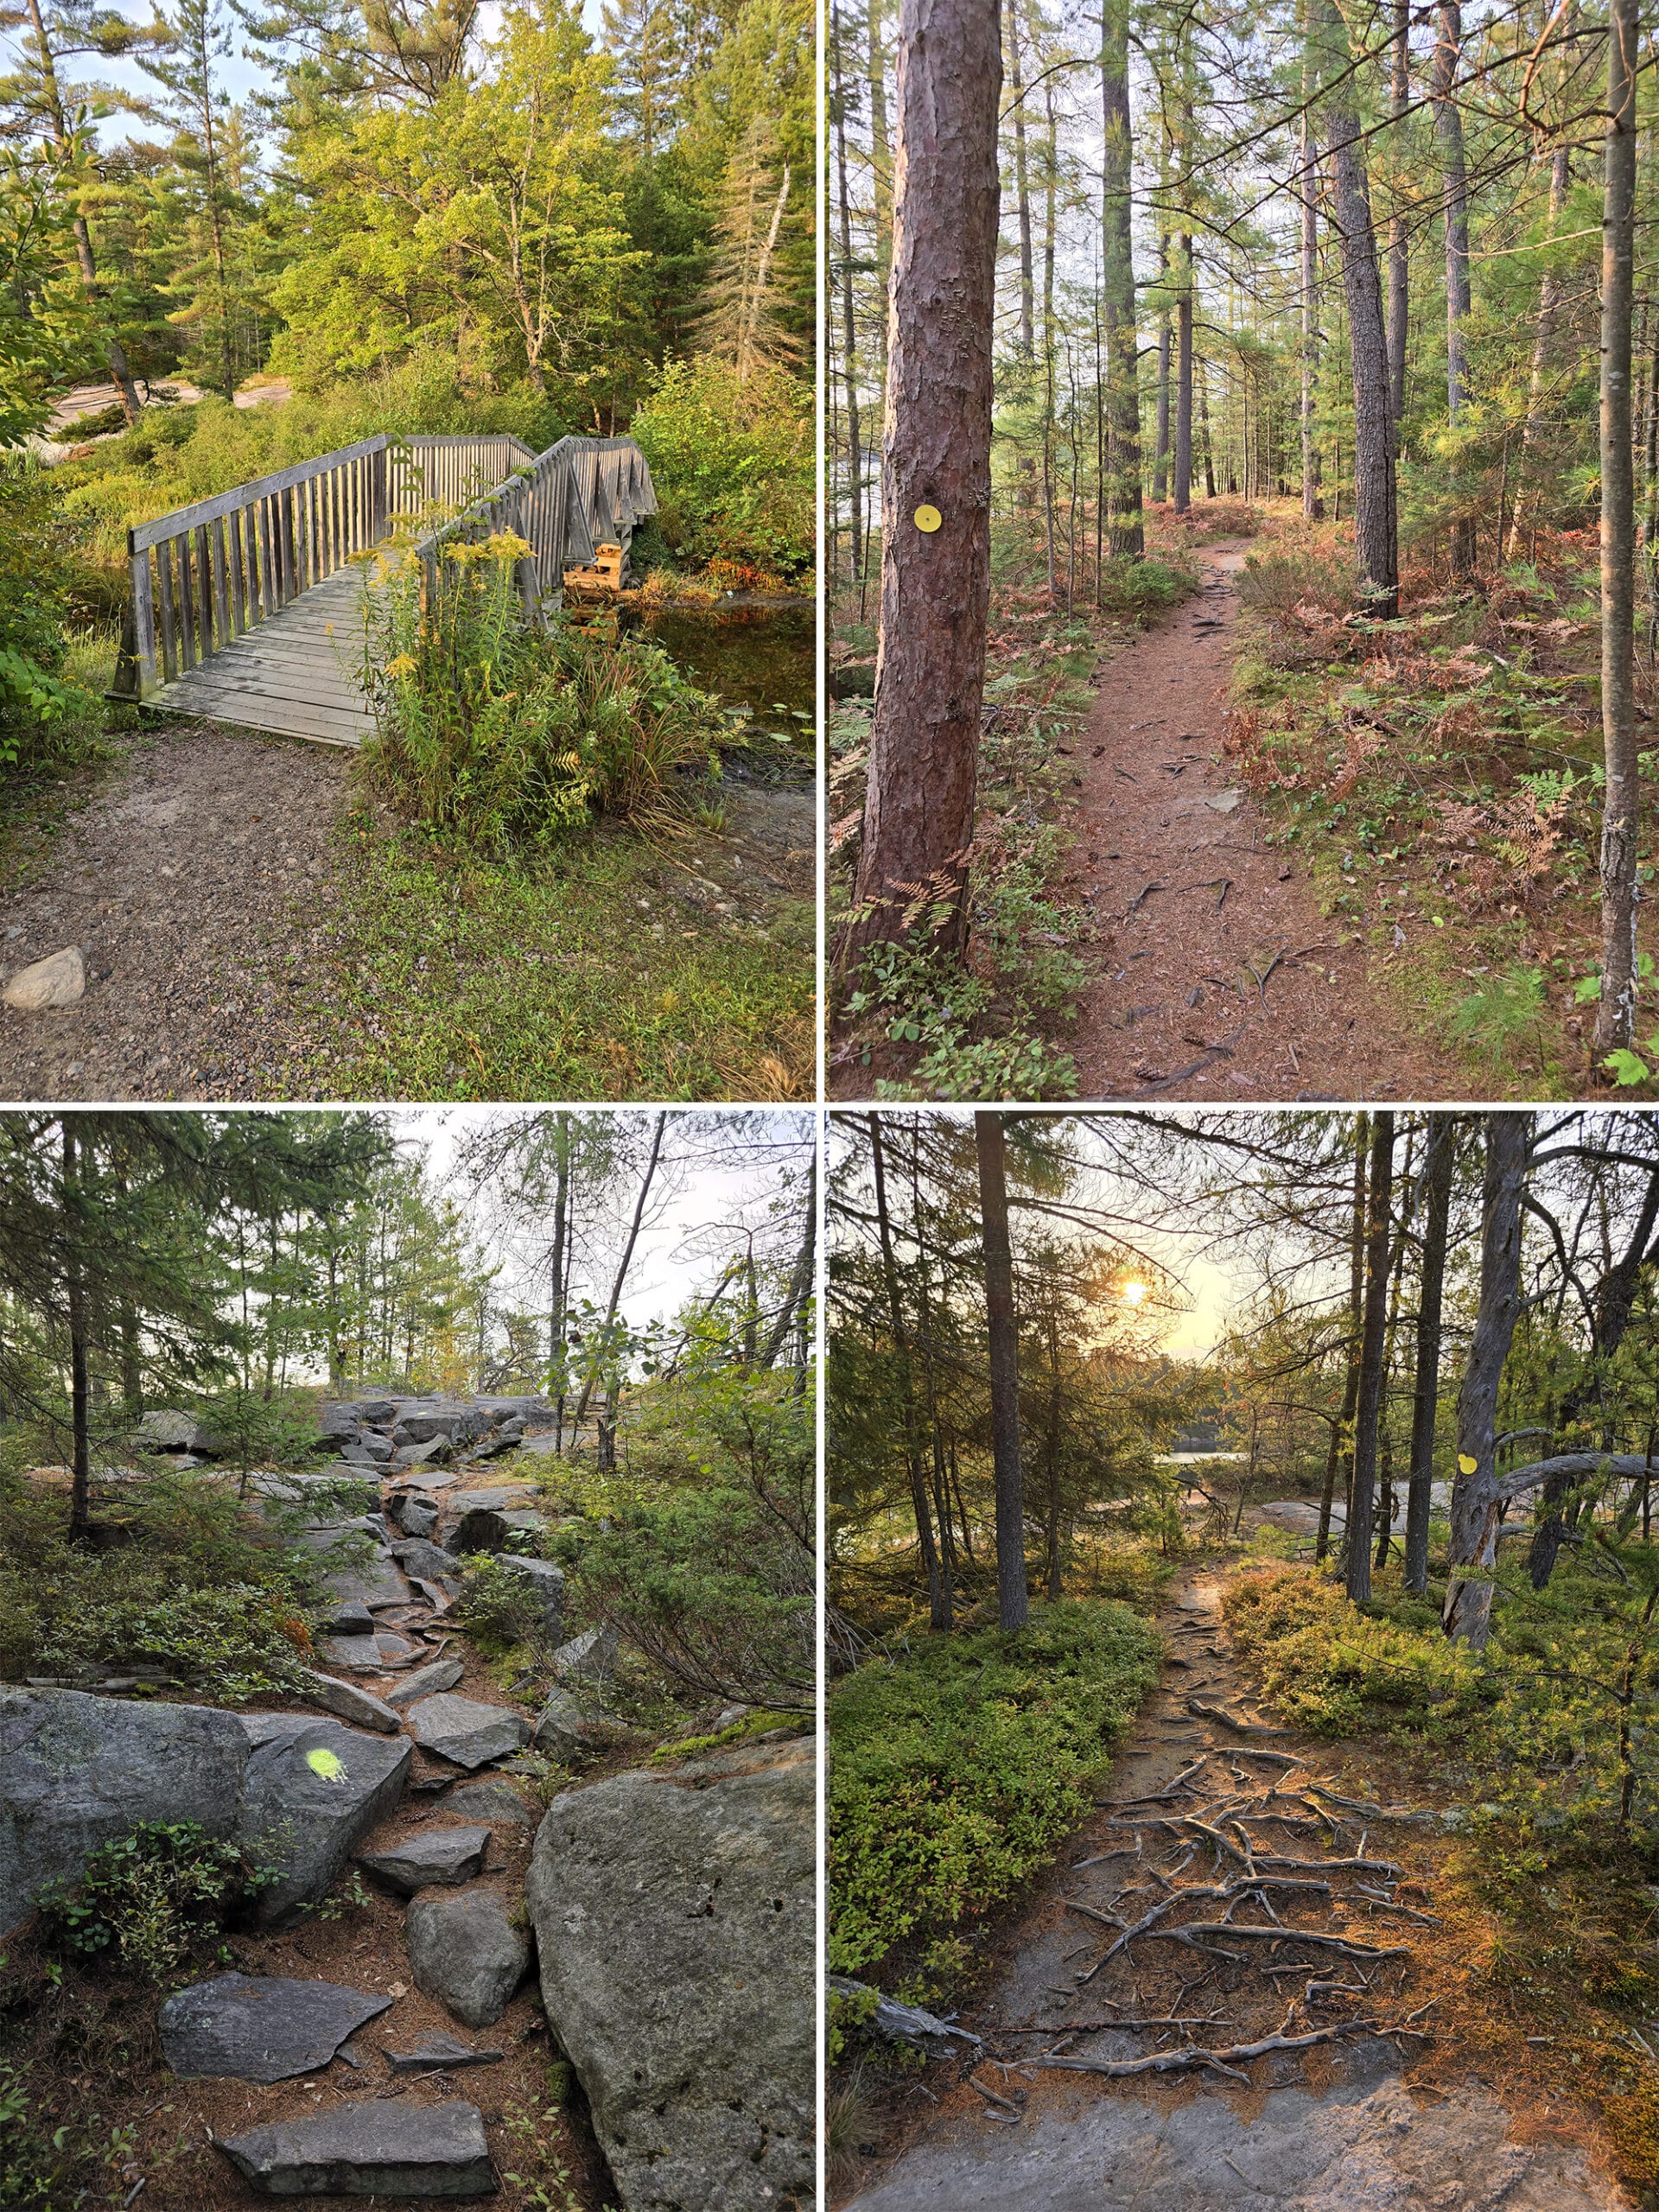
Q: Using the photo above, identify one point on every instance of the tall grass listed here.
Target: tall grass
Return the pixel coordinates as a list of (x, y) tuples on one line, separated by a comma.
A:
[(506, 736)]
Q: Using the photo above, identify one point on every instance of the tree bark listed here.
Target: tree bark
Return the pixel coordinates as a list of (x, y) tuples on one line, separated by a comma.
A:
[(1003, 1345), (1022, 191), (1125, 535), (1368, 1404), (1543, 336), (1476, 1495), (1437, 1195), (627, 1260), (1376, 518), (918, 809), (1160, 448), (1616, 1013)]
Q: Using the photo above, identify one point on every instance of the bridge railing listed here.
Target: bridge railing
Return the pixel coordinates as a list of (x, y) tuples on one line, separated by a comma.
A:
[(207, 573), (579, 494)]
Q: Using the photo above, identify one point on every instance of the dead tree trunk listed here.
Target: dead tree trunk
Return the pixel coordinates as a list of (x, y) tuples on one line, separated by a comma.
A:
[(1476, 1495), (1437, 1201), (918, 808), (1003, 1345), (1368, 1403), (1615, 1013)]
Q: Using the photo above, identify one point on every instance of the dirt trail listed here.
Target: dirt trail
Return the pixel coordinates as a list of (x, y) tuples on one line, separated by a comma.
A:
[(1218, 976), (1334, 2128)]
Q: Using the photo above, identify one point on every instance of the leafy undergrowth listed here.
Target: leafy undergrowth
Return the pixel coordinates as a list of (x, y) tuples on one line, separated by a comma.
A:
[(1541, 1953), (452, 975), (988, 1022), (958, 1764), (1441, 776)]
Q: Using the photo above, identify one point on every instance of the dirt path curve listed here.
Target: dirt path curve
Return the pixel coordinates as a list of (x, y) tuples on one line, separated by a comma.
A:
[(1335, 2127), (1219, 978)]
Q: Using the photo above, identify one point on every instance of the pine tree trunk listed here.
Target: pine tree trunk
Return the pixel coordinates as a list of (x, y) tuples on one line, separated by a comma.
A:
[(1399, 246), (1002, 1342), (1560, 172), (1375, 519), (1368, 1406), (1454, 188), (1437, 1194), (1344, 1429), (1308, 191), (1467, 1613), (1160, 449), (1615, 1013), (1127, 533), (80, 1490), (938, 1614), (849, 321), (1184, 382), (919, 811)]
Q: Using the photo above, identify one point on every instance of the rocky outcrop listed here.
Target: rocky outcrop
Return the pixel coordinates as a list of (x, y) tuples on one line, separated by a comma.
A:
[(296, 1793), (466, 1952), (387, 2147), (675, 1928), (260, 2028)]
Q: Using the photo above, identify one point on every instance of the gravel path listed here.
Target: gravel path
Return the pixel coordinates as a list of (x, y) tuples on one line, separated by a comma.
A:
[(194, 883)]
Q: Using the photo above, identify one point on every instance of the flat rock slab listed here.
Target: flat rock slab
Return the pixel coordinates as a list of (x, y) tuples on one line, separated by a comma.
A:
[(1360, 2146), (491, 1800), (438, 1857), (468, 1733), (386, 2146), (346, 1702), (427, 1681), (260, 2028), (416, 1556), (464, 1952), (439, 2050)]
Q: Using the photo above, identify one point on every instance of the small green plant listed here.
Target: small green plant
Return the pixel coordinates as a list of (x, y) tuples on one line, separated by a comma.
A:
[(147, 1897), (547, 2184), (1506, 1010), (497, 1607)]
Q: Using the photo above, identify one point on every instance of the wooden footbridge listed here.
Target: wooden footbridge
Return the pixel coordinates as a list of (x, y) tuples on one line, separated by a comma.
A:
[(247, 607)]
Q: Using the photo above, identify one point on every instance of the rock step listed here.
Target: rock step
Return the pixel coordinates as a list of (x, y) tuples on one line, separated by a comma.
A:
[(384, 2146), (260, 2027)]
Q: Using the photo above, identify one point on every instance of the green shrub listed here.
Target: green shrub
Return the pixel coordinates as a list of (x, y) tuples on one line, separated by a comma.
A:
[(37, 707), (1334, 1669), (1145, 587), (146, 1898), (190, 1582), (505, 738), (957, 1768), (732, 464), (497, 1607)]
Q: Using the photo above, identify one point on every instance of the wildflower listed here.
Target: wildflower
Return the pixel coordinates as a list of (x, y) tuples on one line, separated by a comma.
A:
[(401, 665)]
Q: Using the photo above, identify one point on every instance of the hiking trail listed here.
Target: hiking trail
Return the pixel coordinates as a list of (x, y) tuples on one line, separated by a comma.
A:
[(1132, 1949), (1216, 975)]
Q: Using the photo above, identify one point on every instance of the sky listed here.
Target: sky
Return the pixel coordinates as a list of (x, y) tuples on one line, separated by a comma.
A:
[(242, 75)]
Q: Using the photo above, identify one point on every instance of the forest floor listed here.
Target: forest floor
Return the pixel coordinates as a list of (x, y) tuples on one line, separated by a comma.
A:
[(255, 926), (1365, 2122), (1215, 974)]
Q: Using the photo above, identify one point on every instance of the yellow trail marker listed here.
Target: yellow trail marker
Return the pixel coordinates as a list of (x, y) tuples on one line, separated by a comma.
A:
[(928, 520), (1465, 1465), (323, 1762)]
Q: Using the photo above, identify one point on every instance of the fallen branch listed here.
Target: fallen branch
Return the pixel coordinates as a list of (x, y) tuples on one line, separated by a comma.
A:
[(1349, 1949), (1220, 2061)]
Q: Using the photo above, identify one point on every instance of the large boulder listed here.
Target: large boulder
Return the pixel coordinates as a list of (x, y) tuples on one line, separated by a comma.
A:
[(462, 1730), (464, 1952), (417, 1556), (260, 2028), (77, 1770), (386, 2146), (310, 1791), (676, 1929)]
